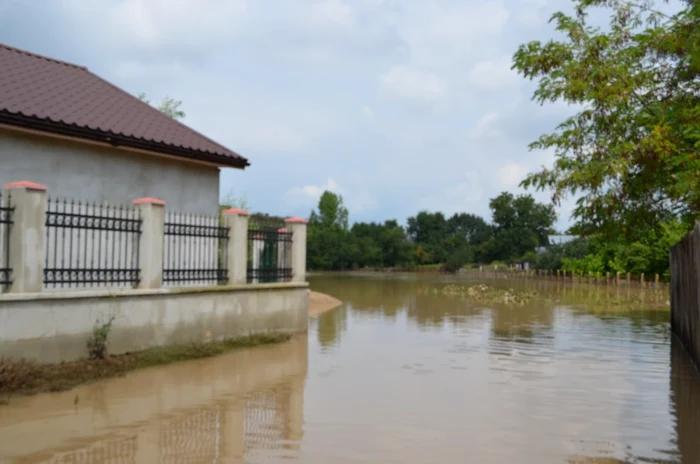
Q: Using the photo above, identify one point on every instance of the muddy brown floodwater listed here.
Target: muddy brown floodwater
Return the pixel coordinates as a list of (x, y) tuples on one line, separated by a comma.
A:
[(400, 373)]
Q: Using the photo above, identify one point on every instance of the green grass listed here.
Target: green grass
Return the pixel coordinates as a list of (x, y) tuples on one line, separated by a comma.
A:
[(26, 377)]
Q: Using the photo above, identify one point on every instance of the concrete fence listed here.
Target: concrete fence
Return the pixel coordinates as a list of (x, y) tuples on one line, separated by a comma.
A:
[(52, 245), (160, 277)]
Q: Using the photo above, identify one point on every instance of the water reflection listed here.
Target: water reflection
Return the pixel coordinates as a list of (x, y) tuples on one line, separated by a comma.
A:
[(685, 394), (400, 373), (331, 326), (579, 374), (419, 298), (236, 408)]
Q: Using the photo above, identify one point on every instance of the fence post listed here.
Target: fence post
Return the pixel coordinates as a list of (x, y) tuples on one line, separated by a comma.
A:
[(152, 213), (297, 226), (236, 220), (27, 236)]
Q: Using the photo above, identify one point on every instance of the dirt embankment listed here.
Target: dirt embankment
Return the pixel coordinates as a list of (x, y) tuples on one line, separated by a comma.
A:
[(26, 377), (320, 303)]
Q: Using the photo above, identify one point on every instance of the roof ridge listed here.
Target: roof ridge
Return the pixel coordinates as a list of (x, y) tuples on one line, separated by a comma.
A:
[(160, 113), (47, 58)]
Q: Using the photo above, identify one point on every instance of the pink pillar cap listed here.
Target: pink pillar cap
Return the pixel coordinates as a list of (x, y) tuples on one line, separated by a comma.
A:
[(26, 185), (238, 211), (296, 220), (148, 200), (282, 230)]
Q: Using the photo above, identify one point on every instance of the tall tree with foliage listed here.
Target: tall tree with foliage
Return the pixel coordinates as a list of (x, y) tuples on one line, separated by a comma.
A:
[(633, 149), (520, 225), (430, 231), (329, 242), (169, 106)]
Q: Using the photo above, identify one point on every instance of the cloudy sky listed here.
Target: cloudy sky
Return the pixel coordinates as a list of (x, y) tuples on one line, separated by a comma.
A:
[(398, 105)]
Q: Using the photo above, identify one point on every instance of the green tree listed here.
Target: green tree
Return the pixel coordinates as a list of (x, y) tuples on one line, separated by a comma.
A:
[(231, 201), (386, 244), (330, 245), (331, 211), (473, 228), (551, 258), (419, 255), (168, 106), (633, 149), (429, 230), (520, 225)]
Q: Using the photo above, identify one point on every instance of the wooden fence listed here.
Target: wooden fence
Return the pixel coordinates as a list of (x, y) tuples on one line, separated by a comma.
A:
[(685, 301), (604, 279)]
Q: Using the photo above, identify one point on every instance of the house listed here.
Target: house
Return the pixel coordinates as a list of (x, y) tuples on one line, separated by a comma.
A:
[(86, 139)]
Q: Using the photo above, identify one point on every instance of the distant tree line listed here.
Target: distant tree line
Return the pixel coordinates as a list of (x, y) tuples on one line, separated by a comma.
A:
[(519, 226), (518, 232)]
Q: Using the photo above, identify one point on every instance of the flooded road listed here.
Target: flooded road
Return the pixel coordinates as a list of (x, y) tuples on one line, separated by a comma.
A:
[(401, 373)]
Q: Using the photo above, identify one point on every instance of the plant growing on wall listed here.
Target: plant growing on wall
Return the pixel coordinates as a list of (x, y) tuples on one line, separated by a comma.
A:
[(97, 343)]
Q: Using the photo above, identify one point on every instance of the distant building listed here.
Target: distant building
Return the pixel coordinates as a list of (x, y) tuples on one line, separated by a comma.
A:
[(84, 138)]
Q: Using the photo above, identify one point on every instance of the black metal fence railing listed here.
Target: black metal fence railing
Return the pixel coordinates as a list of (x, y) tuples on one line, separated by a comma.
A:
[(195, 250), (114, 452), (196, 436), (269, 255), (89, 245), (265, 423), (6, 219)]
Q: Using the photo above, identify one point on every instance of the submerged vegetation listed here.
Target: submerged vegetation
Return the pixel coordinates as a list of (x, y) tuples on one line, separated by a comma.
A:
[(484, 293), (26, 377)]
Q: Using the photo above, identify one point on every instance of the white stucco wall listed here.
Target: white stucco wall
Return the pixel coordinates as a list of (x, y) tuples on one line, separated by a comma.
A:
[(105, 175)]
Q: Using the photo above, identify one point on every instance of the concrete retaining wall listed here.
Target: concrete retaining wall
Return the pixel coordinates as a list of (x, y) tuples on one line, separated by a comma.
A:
[(56, 326)]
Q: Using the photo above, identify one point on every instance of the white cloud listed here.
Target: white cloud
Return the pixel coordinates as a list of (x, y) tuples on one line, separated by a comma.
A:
[(309, 195), (327, 84), (156, 25), (368, 113), (357, 201), (413, 85), (511, 174), (138, 70), (494, 74), (439, 34), (334, 12), (487, 127), (466, 195)]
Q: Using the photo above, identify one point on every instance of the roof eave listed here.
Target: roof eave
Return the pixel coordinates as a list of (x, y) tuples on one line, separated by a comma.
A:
[(117, 140)]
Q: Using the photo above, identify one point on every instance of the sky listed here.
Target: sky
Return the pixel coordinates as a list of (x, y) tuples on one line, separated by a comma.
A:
[(397, 105)]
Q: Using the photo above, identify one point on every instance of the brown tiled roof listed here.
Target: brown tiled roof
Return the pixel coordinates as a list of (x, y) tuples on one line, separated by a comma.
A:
[(41, 93)]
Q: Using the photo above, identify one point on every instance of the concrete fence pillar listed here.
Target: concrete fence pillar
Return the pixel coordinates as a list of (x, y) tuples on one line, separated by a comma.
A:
[(152, 212), (236, 220), (27, 235), (297, 226), (283, 251)]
